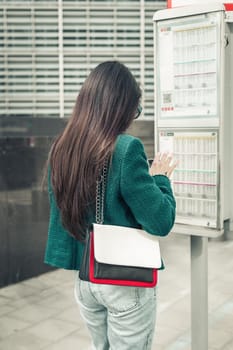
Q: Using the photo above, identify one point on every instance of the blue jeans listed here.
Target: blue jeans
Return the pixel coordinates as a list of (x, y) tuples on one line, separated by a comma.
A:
[(118, 318)]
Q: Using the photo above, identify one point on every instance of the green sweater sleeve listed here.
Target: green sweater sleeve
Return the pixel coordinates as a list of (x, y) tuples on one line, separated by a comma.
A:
[(150, 198)]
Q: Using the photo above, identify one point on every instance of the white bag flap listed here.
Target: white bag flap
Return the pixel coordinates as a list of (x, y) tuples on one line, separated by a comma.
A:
[(127, 246)]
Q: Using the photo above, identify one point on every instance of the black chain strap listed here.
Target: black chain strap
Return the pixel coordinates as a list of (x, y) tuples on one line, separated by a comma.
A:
[(100, 193)]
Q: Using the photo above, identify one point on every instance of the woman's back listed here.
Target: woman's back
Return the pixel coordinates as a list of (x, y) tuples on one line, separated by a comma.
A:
[(133, 198), (136, 196)]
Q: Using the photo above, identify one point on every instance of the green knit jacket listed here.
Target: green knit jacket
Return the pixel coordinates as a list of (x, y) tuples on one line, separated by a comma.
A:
[(134, 198)]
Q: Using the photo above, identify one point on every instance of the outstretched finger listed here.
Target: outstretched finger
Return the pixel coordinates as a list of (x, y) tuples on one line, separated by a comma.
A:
[(157, 158), (164, 157), (171, 169), (168, 160)]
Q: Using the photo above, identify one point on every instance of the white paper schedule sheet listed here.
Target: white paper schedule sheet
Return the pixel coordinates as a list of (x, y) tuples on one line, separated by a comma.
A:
[(188, 67), (195, 179)]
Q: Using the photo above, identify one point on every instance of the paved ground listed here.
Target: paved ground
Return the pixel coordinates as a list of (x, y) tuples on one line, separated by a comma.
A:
[(41, 313)]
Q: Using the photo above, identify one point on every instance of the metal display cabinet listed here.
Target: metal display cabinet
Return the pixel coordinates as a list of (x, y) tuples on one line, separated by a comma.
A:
[(193, 94)]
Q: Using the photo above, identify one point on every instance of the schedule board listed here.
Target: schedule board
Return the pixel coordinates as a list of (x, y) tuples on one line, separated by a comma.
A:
[(187, 67), (195, 180)]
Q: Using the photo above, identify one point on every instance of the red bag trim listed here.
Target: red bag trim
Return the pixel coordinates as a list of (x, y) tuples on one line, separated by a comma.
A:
[(116, 282)]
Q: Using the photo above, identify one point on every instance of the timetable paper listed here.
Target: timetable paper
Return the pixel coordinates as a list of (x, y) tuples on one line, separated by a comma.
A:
[(188, 67), (195, 180)]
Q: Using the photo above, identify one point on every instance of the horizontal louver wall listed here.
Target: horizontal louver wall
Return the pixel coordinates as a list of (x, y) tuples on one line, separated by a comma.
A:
[(47, 48), (29, 57)]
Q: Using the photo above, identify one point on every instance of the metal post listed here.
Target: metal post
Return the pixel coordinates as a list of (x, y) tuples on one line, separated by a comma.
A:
[(199, 292)]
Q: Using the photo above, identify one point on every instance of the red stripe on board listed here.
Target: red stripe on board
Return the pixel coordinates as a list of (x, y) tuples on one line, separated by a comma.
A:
[(169, 4), (193, 183), (228, 7)]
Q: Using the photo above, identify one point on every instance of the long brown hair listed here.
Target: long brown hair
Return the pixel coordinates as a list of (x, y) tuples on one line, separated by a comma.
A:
[(104, 108)]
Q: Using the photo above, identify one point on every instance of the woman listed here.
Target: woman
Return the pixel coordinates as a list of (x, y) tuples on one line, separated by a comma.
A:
[(118, 318)]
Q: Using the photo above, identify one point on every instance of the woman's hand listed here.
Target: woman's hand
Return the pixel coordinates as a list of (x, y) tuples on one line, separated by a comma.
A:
[(163, 164)]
